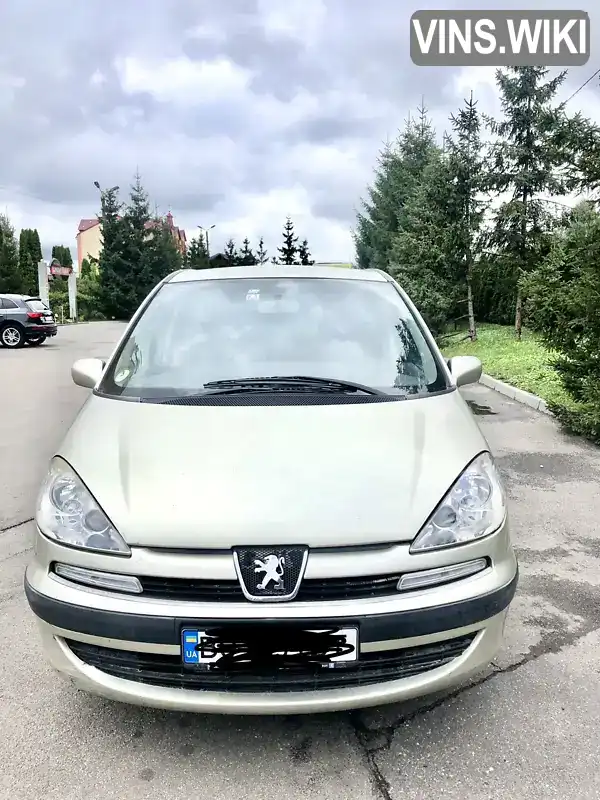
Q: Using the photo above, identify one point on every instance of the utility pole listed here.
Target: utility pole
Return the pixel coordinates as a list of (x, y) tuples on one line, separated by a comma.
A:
[(206, 230)]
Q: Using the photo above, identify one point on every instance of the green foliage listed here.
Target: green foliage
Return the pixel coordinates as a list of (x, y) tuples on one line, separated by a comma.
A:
[(138, 252), (219, 260), (58, 295), (564, 295), (30, 254), (197, 255), (495, 280), (63, 255), (304, 257), (289, 249), (117, 293), (160, 257), (465, 207), (421, 258), (262, 256), (526, 364), (11, 279), (246, 257), (531, 160), (230, 253), (398, 174), (88, 306)]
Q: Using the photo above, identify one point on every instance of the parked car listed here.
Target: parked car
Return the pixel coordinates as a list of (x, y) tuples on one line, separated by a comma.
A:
[(24, 320), (274, 500)]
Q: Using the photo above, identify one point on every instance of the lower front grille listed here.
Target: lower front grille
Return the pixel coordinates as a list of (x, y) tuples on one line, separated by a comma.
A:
[(158, 669)]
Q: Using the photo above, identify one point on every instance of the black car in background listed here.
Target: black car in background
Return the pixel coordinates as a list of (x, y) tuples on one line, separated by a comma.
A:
[(24, 320)]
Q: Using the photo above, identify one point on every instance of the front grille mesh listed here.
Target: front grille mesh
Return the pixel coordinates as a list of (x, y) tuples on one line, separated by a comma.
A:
[(157, 669), (212, 591)]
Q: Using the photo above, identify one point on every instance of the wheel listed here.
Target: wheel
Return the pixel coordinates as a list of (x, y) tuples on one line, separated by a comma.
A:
[(12, 336), (36, 341)]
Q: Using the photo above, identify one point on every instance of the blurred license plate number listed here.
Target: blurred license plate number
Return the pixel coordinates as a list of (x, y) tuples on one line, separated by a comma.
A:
[(196, 647)]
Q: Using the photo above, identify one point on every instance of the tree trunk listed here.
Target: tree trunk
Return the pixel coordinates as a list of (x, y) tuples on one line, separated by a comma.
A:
[(470, 311), (519, 314)]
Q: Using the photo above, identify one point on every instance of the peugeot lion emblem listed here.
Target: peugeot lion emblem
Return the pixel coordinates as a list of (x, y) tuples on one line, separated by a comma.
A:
[(270, 574), (272, 566)]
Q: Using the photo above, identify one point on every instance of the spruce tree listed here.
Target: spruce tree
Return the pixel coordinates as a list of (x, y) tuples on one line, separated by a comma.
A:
[(11, 280), (246, 257), (564, 298), (289, 249), (231, 254), (262, 256), (398, 175), (30, 254), (160, 258), (528, 161), (196, 256), (117, 294), (304, 257), (423, 256), (465, 161)]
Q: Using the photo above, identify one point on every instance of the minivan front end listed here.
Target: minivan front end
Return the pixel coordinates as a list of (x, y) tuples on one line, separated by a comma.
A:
[(119, 630), (332, 536)]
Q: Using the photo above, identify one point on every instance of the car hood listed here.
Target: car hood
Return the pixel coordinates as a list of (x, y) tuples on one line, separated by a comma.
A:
[(218, 476)]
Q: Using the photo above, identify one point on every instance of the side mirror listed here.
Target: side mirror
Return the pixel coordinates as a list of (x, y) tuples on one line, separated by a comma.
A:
[(86, 372), (465, 369)]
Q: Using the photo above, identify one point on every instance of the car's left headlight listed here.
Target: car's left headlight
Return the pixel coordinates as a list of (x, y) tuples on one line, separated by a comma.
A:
[(67, 512), (474, 507)]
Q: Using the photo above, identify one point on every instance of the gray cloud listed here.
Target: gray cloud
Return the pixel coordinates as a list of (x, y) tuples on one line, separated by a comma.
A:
[(338, 75)]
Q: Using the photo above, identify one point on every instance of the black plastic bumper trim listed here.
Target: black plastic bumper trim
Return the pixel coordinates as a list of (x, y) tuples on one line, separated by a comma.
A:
[(166, 630)]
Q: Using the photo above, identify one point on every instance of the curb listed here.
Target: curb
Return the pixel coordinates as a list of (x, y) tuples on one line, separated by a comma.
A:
[(518, 395)]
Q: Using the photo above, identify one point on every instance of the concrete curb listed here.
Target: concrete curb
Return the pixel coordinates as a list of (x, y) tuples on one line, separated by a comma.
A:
[(518, 395)]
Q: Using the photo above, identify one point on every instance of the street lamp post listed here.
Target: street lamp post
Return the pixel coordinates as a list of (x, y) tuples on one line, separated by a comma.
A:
[(206, 230)]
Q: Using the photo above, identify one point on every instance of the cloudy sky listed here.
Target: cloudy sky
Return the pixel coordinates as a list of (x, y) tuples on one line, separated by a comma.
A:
[(236, 112)]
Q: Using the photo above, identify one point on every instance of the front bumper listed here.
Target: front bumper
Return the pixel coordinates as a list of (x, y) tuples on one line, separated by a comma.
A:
[(73, 618)]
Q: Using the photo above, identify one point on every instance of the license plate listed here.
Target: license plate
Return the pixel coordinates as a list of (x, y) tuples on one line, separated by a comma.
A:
[(47, 319), (237, 647)]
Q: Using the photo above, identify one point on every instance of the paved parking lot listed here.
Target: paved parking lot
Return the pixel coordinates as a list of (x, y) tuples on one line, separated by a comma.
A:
[(528, 728)]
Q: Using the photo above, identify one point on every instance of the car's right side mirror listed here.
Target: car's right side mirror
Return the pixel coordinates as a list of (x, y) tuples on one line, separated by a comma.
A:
[(86, 372), (465, 369)]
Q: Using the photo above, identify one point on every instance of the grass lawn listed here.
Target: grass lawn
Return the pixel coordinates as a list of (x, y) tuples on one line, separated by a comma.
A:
[(524, 364)]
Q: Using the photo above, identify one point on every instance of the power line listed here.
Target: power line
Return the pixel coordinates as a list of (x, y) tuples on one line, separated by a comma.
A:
[(583, 85)]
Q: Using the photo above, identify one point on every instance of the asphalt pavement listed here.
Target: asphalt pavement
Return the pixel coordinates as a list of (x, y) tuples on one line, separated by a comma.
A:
[(526, 728)]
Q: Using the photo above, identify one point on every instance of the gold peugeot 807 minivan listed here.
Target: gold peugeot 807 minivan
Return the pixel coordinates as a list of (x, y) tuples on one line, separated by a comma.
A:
[(274, 500)]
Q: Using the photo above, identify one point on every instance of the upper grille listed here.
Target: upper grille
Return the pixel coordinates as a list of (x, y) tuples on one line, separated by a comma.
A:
[(210, 591), (158, 669)]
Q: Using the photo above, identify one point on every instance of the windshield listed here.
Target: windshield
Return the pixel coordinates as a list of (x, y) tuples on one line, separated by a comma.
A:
[(200, 331)]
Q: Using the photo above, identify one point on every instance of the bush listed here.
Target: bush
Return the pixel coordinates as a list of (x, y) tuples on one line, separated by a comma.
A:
[(495, 290), (564, 306)]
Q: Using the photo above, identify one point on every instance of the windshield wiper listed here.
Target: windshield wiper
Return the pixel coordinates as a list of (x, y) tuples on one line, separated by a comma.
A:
[(304, 383)]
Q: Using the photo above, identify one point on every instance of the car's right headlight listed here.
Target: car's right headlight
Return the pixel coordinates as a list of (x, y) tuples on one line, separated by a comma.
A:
[(67, 512)]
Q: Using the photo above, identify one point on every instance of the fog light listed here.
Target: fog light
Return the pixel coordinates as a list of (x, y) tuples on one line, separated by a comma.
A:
[(434, 577), (99, 580)]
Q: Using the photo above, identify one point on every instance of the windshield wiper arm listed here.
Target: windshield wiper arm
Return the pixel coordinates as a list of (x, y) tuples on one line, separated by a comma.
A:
[(282, 382)]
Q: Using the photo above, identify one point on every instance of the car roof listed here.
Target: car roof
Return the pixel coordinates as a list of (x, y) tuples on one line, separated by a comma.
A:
[(278, 271), (16, 296)]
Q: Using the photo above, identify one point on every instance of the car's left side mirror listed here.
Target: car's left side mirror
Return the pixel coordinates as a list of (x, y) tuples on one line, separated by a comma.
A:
[(86, 372), (465, 369)]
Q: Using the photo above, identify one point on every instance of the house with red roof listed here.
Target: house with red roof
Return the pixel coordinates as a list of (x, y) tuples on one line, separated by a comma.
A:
[(89, 237)]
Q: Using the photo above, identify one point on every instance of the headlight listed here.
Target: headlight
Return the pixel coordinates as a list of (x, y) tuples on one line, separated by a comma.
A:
[(67, 512), (474, 507)]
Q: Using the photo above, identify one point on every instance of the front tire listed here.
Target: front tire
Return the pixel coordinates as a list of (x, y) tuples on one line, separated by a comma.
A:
[(11, 336), (37, 341)]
